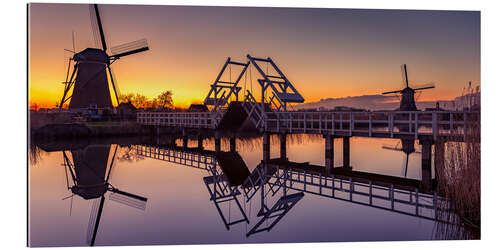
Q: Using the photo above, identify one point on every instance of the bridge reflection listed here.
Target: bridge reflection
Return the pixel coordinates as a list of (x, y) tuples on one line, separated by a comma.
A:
[(285, 183)]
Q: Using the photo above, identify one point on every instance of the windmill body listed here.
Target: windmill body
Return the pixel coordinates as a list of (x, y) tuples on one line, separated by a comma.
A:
[(407, 100), (89, 78), (91, 84), (90, 166)]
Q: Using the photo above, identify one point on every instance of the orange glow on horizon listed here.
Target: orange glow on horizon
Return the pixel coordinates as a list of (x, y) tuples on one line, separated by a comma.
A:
[(190, 44)]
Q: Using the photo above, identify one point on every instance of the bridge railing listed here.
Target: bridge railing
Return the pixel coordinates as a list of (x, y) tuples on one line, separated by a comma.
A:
[(389, 198), (387, 124), (177, 119)]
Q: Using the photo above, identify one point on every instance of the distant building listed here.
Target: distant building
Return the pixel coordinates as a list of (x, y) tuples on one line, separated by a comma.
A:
[(344, 108), (198, 108), (127, 110)]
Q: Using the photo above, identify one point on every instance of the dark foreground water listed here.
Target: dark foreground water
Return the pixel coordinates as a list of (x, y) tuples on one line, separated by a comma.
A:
[(179, 209)]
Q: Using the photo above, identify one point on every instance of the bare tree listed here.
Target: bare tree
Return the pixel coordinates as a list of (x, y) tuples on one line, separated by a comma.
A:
[(165, 100)]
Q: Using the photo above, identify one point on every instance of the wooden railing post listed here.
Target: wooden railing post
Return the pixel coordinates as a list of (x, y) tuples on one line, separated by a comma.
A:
[(370, 124), (351, 123), (391, 124), (435, 130)]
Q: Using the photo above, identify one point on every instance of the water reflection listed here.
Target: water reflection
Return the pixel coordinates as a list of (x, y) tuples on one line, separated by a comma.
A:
[(407, 146), (235, 179), (88, 176)]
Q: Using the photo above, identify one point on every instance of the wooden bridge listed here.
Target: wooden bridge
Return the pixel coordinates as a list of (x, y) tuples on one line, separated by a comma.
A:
[(387, 124), (272, 114)]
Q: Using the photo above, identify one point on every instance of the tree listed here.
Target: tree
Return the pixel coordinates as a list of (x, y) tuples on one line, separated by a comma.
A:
[(164, 100), (140, 101), (126, 98)]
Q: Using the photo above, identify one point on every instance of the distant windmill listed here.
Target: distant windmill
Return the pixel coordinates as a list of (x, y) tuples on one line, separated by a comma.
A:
[(88, 78), (408, 93)]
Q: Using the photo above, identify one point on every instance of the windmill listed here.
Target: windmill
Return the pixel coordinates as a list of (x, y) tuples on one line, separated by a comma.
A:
[(89, 77), (408, 148), (91, 182), (408, 93)]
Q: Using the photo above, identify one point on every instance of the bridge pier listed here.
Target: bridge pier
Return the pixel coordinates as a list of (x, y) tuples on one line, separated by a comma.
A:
[(266, 147), (282, 146), (200, 142), (426, 164), (232, 144), (346, 149), (329, 152), (438, 157), (217, 142)]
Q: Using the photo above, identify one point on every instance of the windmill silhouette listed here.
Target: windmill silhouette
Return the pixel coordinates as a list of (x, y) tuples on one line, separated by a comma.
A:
[(408, 93), (91, 182), (89, 79)]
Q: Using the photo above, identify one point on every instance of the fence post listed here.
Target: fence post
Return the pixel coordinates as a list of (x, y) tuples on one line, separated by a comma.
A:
[(391, 124), (351, 123), (434, 125), (370, 125), (416, 126), (320, 125), (465, 125), (333, 123)]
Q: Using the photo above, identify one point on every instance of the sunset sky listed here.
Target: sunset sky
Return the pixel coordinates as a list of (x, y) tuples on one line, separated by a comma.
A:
[(325, 53)]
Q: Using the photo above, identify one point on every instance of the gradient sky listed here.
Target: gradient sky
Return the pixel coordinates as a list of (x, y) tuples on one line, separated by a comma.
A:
[(325, 53)]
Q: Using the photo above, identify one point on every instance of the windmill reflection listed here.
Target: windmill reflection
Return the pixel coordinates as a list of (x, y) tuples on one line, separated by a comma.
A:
[(90, 175), (407, 146)]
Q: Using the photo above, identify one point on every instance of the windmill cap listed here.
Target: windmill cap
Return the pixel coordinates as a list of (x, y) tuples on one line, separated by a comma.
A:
[(91, 54)]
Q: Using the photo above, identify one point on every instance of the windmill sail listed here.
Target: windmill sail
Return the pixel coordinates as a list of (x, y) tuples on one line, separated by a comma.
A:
[(129, 48)]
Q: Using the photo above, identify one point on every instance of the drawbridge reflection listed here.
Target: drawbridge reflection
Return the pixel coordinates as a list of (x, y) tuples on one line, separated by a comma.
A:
[(285, 183)]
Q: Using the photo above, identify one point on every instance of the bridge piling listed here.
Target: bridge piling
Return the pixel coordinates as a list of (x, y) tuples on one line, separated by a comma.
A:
[(438, 157), (232, 144), (283, 146), (217, 142), (266, 147), (346, 146), (329, 152), (426, 164), (200, 142)]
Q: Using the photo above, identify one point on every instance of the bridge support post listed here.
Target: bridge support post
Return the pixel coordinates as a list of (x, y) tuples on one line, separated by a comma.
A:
[(217, 142), (200, 142), (438, 157), (346, 150), (426, 164), (184, 142), (283, 146), (266, 147), (329, 152), (232, 144)]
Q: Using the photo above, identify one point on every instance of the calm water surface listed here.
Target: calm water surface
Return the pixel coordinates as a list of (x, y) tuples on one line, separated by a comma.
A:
[(179, 210)]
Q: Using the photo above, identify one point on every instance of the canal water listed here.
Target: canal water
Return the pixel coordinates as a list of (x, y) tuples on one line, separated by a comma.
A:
[(179, 210)]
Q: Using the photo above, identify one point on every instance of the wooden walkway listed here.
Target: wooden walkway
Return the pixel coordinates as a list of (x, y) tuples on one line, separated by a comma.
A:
[(390, 124)]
